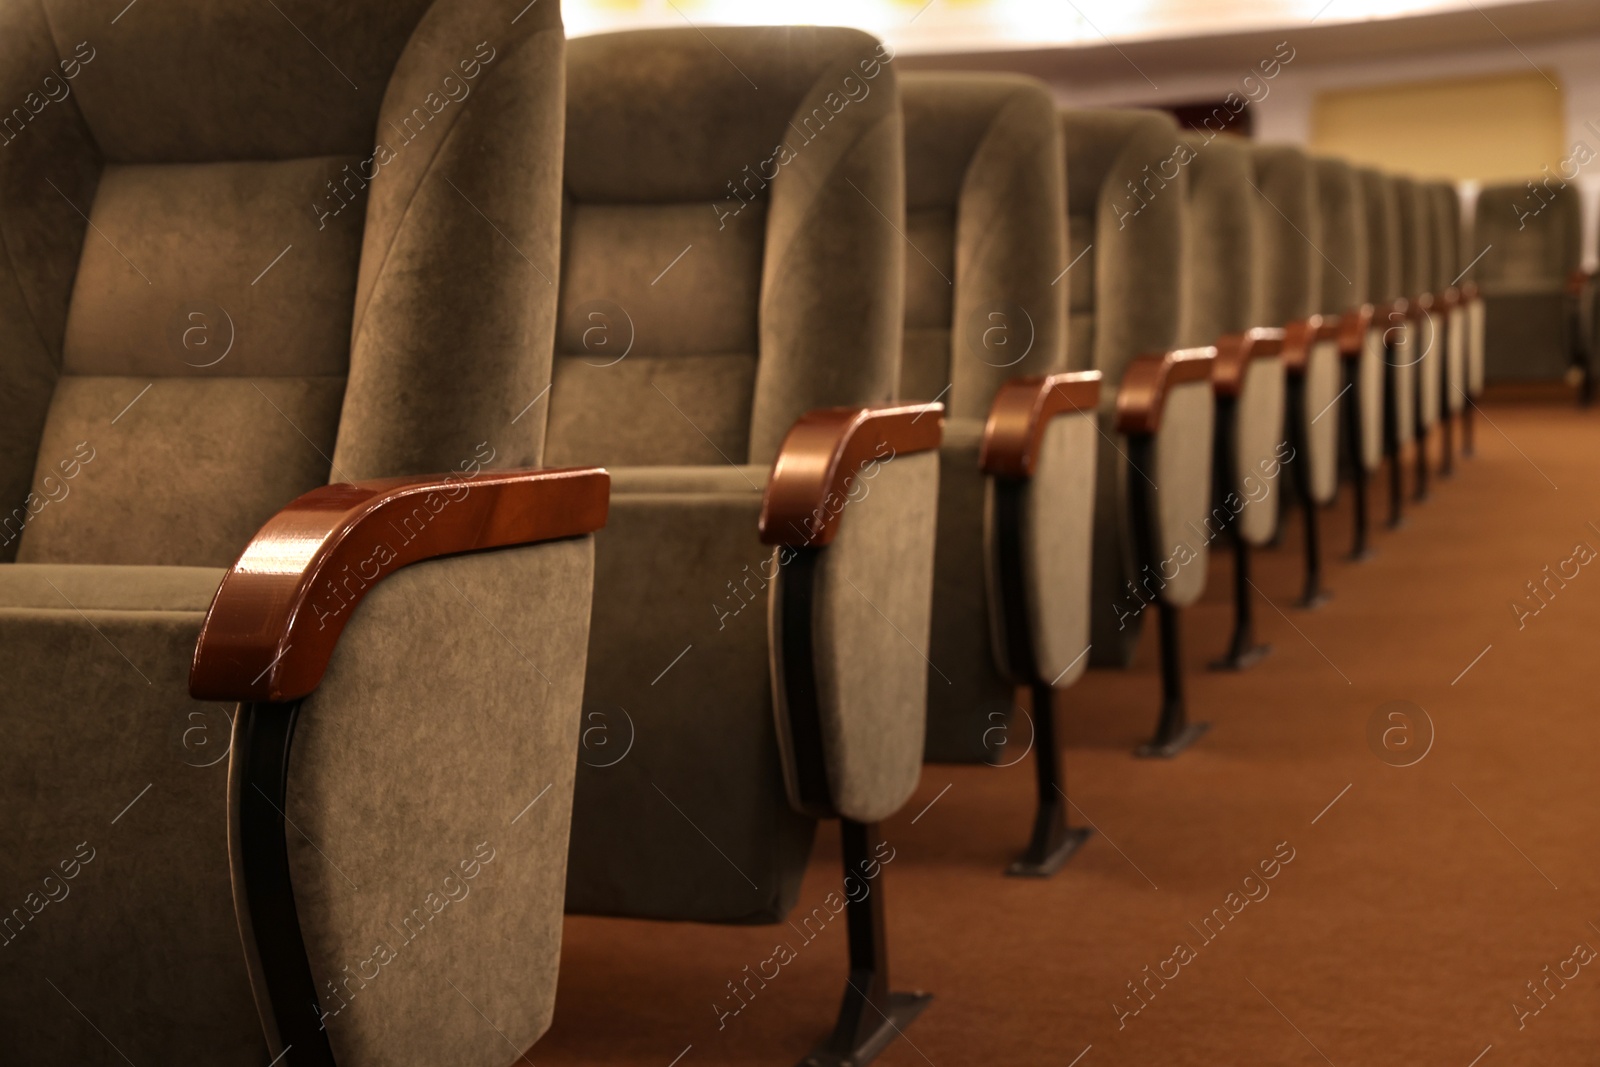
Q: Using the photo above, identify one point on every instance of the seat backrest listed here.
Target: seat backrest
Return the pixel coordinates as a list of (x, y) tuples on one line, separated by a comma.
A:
[(986, 299), (1341, 202), (731, 251), (1447, 264), (219, 218), (1536, 229), (1127, 201), (1290, 228), (1416, 236), (1223, 276), (1383, 235)]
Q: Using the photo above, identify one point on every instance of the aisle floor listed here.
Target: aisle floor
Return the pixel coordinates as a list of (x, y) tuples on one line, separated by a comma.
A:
[(1419, 901)]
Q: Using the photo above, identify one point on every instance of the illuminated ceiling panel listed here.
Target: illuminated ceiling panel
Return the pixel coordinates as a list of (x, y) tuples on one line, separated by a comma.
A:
[(978, 25)]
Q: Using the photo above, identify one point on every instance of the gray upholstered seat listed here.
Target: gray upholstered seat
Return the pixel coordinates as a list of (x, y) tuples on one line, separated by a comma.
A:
[(1127, 206), (986, 196), (1425, 337), (1535, 228), (732, 260), (217, 297)]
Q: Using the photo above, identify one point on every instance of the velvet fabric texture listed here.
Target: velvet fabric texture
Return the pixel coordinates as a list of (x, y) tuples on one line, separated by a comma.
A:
[(234, 268), (986, 203), (1127, 206), (733, 258), (1536, 230)]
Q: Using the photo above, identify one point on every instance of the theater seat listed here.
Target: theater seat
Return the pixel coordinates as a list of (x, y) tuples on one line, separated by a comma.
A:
[(1126, 214), (1323, 371), (729, 336), (986, 333), (1535, 228), (1224, 295), (1447, 267), (1363, 345), (216, 298), (1425, 334)]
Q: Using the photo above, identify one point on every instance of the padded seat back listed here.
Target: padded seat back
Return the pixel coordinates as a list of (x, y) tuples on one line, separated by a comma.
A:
[(1126, 202), (1342, 207), (1536, 231), (986, 299), (1381, 203), (726, 238), (1416, 236), (1224, 276), (216, 228), (1290, 229)]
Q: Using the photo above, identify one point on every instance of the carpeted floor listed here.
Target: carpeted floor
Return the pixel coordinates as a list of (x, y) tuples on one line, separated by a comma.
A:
[(1419, 900)]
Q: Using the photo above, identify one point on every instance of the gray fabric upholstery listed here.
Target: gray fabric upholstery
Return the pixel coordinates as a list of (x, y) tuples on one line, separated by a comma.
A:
[(1183, 474), (1057, 552), (1290, 229), (461, 670), (689, 700), (1224, 279), (1257, 434), (873, 613), (970, 700), (776, 201), (986, 203), (1535, 228), (1323, 386), (208, 257), (1342, 209), (1370, 395), (782, 295), (1127, 204)]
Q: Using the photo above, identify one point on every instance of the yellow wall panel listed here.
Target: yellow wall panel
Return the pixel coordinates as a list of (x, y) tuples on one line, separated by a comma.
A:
[(1490, 128)]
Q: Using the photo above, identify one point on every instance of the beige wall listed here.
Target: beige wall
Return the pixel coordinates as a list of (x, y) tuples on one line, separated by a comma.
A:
[(1490, 128)]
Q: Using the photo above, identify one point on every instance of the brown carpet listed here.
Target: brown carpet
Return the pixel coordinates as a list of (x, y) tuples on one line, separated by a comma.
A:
[(1419, 900)]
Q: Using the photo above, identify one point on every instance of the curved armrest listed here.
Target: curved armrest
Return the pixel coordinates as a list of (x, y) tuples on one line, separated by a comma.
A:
[(821, 457), (1419, 306), (1299, 337), (1578, 281), (279, 611), (1022, 409), (1450, 299), (1147, 380), (1353, 327), (1470, 292), (1234, 353)]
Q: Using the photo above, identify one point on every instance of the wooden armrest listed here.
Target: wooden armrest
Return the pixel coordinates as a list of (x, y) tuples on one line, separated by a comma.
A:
[(1235, 351), (1449, 299), (1145, 384), (1578, 281), (1353, 327), (1301, 335), (279, 611), (821, 457), (1469, 292), (1022, 410), (1419, 306)]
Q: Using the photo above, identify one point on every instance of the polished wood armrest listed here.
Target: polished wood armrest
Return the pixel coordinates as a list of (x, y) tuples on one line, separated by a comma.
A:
[(1148, 379), (1353, 327), (279, 611), (1235, 351), (1470, 292), (1419, 306), (1578, 281), (822, 456), (1299, 337), (1022, 410)]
